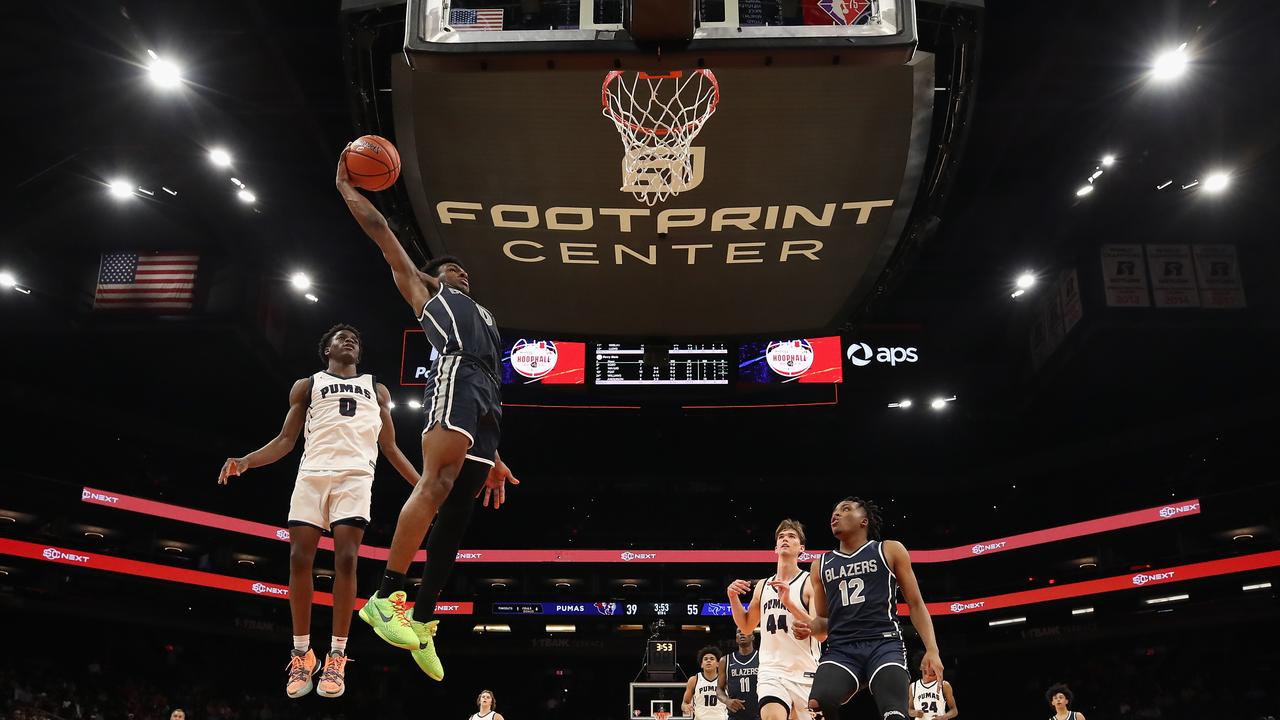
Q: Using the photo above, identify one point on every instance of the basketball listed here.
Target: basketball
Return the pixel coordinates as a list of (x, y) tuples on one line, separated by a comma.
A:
[(373, 163)]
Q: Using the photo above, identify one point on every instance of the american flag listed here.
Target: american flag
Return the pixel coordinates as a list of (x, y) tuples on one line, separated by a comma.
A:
[(464, 20), (158, 281)]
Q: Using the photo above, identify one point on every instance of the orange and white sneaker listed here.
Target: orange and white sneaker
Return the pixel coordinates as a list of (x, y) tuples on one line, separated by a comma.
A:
[(301, 667), (332, 679)]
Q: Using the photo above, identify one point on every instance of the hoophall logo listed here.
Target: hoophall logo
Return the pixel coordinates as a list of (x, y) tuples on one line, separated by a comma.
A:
[(1144, 578), (1169, 511), (56, 554), (861, 354), (533, 358), (789, 358)]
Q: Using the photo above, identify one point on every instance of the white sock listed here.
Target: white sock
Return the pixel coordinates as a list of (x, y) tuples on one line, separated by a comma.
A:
[(338, 643), (301, 643)]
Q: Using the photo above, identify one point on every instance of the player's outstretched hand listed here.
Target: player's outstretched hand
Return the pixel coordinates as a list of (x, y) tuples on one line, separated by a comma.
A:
[(342, 179), (688, 709), (495, 485), (931, 660), (801, 630), (735, 705), (738, 588), (233, 466)]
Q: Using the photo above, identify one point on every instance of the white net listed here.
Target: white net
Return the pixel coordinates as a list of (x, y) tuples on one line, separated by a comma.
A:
[(658, 116)]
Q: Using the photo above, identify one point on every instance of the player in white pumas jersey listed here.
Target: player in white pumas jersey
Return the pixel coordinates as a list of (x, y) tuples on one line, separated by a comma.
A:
[(931, 699), (787, 664), (485, 707), (701, 699), (345, 418)]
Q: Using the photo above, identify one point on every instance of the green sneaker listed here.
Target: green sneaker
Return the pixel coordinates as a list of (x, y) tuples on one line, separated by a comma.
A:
[(387, 618), (424, 652)]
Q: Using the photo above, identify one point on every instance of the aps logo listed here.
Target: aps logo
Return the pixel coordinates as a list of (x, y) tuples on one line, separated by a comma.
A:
[(861, 354)]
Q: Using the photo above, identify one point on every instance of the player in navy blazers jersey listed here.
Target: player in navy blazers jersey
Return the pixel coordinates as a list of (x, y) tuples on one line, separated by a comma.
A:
[(459, 438), (855, 591), (1060, 698), (739, 671)]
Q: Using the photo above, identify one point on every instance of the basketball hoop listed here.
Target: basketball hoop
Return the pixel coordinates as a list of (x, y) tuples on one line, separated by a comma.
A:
[(658, 116), (660, 715)]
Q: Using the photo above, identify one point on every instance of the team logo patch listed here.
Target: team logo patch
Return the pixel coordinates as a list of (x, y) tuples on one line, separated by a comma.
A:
[(533, 358), (847, 12), (789, 358)]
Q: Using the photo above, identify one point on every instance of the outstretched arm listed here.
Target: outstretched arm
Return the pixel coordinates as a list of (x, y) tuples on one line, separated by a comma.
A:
[(900, 563), (387, 439), (749, 617), (816, 625), (416, 288), (281, 444), (687, 704), (952, 710)]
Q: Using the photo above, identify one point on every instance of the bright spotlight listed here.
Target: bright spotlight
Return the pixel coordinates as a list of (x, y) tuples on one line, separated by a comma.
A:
[(1216, 182), (1084, 190), (300, 280), (1025, 281), (415, 404), (1108, 160), (938, 403), (7, 280), (220, 157), (312, 298), (391, 404), (904, 404), (1170, 64), (164, 73), (120, 188), (247, 197)]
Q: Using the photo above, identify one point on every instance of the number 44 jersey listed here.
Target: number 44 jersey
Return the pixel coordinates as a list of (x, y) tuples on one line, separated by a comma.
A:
[(343, 423)]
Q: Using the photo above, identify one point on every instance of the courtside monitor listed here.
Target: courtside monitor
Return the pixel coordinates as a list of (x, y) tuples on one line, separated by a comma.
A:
[(754, 178)]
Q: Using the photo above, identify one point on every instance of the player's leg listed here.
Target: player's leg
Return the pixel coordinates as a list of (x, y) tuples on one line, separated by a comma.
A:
[(303, 540), (348, 533), (443, 453), (442, 552), (889, 686), (775, 701), (833, 686)]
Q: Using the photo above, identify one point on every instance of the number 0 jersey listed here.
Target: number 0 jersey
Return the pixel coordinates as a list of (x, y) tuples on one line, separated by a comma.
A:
[(343, 423), (861, 595), (780, 651)]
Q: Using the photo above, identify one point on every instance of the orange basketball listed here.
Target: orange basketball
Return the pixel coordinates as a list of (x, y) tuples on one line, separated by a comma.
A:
[(373, 163)]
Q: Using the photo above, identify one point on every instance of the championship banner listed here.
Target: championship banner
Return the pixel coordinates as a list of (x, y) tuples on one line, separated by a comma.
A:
[(1218, 272), (1173, 278), (1124, 276)]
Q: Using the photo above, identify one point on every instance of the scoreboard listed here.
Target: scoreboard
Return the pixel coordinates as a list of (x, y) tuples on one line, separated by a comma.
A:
[(613, 608)]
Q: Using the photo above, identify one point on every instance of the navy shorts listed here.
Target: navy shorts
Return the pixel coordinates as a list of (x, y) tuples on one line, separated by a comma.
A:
[(864, 658), (461, 396)]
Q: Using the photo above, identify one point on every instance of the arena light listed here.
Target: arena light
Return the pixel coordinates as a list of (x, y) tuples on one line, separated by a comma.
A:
[(93, 534), (165, 74), (1191, 184), (1108, 160), (391, 404), (220, 157), (1025, 280), (482, 629), (1006, 621), (562, 628), (120, 188), (1242, 536), (311, 297), (247, 197), (1082, 611), (323, 576), (7, 280), (696, 628), (904, 404), (1216, 182), (630, 628), (1017, 294), (300, 280), (171, 192), (245, 561), (1170, 64), (1166, 599), (1256, 586), (1084, 190), (1164, 184), (939, 403), (415, 404)]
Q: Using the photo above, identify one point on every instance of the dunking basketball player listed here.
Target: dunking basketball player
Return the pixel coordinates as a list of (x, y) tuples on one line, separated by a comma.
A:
[(347, 419), (787, 661), (701, 699), (932, 699), (459, 439), (738, 676), (855, 611)]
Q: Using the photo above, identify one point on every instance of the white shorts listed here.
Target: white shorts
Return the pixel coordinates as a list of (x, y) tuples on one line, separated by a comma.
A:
[(791, 688), (321, 497)]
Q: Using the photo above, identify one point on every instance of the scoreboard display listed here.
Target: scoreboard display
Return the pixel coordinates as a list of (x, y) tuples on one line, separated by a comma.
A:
[(613, 608), (640, 364)]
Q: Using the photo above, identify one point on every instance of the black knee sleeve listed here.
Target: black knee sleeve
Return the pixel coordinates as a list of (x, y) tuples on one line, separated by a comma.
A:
[(832, 687), (890, 687), (446, 536)]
